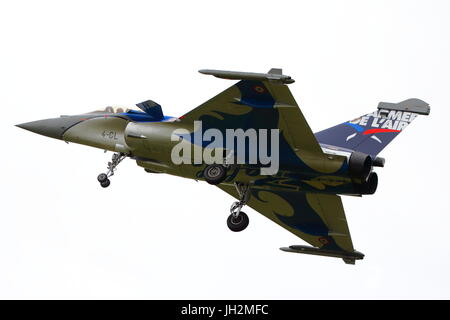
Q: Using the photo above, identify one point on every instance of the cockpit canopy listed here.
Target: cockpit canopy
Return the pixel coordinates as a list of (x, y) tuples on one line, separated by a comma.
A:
[(151, 111)]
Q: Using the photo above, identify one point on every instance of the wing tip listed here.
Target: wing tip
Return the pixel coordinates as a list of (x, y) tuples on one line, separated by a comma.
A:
[(348, 257), (274, 74)]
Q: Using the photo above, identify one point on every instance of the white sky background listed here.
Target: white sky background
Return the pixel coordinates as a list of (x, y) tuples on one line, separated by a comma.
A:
[(160, 237)]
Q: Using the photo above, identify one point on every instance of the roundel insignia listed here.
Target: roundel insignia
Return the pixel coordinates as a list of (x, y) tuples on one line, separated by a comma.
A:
[(324, 241), (259, 89)]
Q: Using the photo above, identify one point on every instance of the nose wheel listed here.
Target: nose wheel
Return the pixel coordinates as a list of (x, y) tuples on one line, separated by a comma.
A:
[(103, 178), (238, 220)]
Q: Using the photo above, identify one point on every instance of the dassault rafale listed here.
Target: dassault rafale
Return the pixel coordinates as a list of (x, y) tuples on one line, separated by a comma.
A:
[(253, 142)]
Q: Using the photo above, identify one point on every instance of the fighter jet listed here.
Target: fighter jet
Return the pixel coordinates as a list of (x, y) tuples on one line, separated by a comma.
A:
[(253, 142)]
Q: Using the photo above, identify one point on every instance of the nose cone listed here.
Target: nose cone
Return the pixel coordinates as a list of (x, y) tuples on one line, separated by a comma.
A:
[(53, 128)]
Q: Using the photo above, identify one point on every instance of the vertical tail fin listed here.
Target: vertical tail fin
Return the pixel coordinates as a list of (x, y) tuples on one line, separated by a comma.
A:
[(372, 132)]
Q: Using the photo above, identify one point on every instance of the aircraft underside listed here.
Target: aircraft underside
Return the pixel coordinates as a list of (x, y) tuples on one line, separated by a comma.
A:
[(282, 169)]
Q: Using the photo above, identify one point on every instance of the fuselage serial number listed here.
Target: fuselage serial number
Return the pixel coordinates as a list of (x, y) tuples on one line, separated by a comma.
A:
[(112, 135)]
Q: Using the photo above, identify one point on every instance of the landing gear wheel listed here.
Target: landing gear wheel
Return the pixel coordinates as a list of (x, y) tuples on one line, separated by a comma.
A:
[(215, 173), (102, 177), (105, 183), (238, 223)]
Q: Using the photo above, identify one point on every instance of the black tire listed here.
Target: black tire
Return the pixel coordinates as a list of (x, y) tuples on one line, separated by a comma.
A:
[(215, 173), (102, 177), (106, 183), (238, 223)]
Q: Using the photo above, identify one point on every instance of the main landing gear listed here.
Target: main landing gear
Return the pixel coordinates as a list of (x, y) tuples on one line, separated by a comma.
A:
[(238, 220), (103, 178), (216, 173)]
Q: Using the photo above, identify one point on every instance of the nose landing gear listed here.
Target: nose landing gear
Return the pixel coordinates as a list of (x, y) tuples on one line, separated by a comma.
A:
[(103, 178), (238, 220)]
